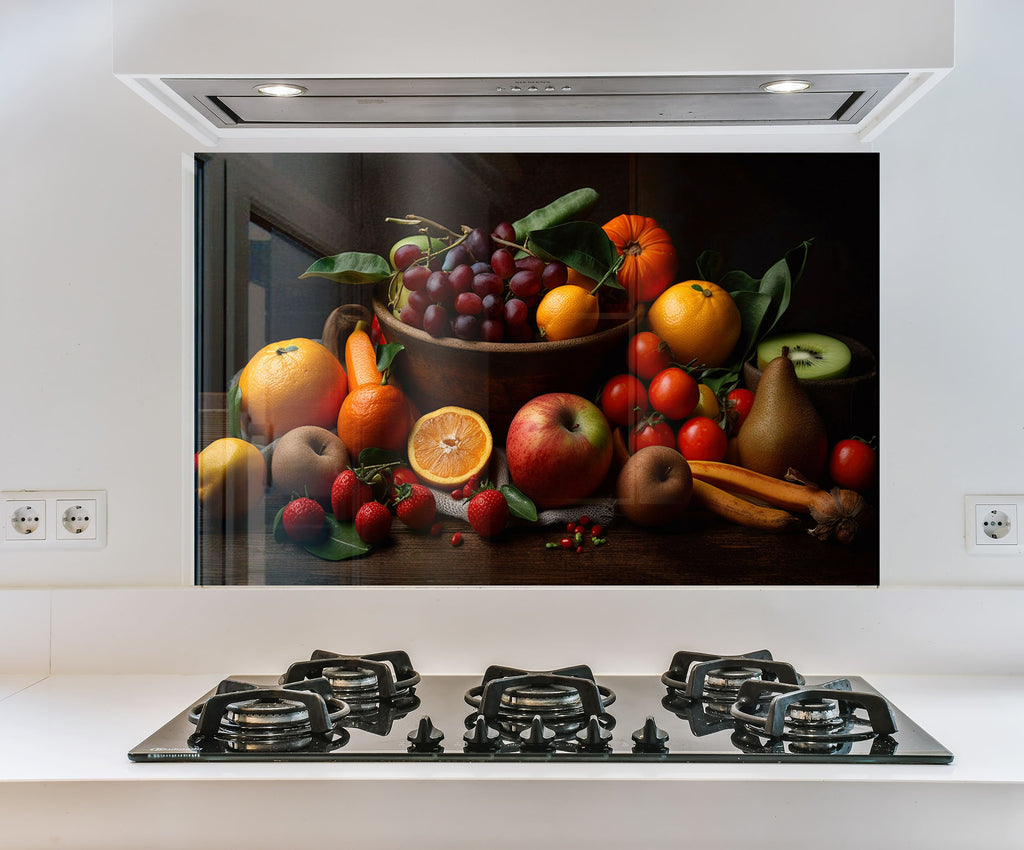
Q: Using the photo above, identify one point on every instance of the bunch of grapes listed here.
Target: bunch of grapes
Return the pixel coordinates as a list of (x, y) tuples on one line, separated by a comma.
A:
[(481, 291)]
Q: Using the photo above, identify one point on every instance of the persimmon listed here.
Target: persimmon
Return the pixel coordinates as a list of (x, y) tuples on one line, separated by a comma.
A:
[(650, 261)]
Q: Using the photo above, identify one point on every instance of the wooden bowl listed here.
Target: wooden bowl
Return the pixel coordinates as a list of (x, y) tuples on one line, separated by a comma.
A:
[(496, 378), (848, 405)]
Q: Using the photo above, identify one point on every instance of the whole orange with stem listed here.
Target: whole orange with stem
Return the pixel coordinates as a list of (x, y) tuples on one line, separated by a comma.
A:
[(375, 414), (567, 312), (698, 320), (290, 383), (650, 261)]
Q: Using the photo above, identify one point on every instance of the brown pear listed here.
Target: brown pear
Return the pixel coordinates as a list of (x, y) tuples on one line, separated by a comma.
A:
[(783, 429)]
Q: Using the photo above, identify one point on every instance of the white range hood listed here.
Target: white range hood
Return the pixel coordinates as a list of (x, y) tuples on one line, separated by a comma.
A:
[(676, 67)]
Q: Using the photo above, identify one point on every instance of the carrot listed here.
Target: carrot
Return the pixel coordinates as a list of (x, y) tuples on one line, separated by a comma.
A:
[(738, 510), (361, 359), (835, 511)]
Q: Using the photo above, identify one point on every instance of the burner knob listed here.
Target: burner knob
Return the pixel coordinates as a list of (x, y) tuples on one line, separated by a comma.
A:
[(650, 739), (481, 738), (594, 738), (538, 737), (427, 737)]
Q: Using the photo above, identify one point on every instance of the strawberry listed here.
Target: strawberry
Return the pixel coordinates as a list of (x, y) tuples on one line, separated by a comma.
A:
[(303, 520), (373, 522), (401, 475), (415, 506), (348, 494), (488, 513)]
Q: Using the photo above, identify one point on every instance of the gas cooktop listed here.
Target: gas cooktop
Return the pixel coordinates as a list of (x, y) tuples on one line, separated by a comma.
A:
[(704, 708)]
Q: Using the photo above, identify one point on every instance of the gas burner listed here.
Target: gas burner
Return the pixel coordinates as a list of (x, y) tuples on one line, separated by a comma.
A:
[(717, 679), (814, 719), (243, 717), (563, 700), (366, 682)]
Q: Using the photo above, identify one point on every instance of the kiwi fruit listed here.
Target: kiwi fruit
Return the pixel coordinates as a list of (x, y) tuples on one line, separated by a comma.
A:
[(815, 357)]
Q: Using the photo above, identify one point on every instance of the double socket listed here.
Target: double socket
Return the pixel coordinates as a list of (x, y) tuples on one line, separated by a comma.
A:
[(54, 519)]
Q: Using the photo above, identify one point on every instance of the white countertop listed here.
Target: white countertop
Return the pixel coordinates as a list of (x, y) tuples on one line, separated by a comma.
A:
[(64, 741)]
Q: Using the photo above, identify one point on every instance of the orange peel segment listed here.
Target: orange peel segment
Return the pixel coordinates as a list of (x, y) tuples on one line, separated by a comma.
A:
[(449, 445)]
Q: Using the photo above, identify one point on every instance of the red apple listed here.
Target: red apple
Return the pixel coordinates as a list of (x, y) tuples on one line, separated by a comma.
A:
[(305, 462), (559, 448)]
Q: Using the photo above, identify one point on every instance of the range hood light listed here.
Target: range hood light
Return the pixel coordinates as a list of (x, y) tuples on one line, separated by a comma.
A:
[(786, 86), (280, 89)]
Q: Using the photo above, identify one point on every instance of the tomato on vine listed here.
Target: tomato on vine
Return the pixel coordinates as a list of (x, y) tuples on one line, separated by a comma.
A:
[(647, 355), (702, 438), (621, 397), (673, 393), (738, 403), (651, 431)]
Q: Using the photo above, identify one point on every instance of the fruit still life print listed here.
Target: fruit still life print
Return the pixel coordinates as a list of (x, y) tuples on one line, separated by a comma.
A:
[(570, 393)]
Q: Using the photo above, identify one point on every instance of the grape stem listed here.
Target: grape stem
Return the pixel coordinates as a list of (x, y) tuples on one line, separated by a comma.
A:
[(508, 244), (419, 219)]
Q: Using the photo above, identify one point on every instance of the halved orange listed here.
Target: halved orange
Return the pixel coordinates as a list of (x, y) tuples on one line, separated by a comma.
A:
[(449, 445)]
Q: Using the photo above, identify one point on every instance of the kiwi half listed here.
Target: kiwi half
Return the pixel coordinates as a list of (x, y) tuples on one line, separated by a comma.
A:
[(815, 357)]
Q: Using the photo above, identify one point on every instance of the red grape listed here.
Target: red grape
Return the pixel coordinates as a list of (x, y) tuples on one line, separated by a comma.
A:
[(419, 301), (493, 306), (532, 263), (461, 278), (516, 312), (406, 255), (479, 243), (505, 231), (411, 316), (487, 283), (524, 283), (492, 330), (466, 327), (439, 287), (468, 304), (415, 278), (503, 263), (435, 321), (554, 274)]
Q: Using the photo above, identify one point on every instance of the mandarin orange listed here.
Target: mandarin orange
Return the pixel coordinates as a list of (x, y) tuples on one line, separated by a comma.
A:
[(698, 320)]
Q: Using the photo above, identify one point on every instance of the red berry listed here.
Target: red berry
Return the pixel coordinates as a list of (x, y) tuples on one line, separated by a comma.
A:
[(435, 529), (579, 550), (458, 495), (457, 539), (303, 520), (584, 520), (416, 507), (401, 475), (469, 488), (596, 530), (348, 494), (566, 542), (488, 513), (373, 522)]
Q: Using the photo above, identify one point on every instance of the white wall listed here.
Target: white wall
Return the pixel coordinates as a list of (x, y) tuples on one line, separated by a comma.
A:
[(91, 301)]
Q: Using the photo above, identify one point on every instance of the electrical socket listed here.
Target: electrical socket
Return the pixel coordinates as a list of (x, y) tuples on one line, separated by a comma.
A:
[(24, 520), (54, 519), (991, 525)]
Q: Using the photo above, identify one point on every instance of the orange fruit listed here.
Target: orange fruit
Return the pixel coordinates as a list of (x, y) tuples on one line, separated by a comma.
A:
[(567, 312), (374, 416), (698, 320), (232, 477), (290, 383), (449, 446)]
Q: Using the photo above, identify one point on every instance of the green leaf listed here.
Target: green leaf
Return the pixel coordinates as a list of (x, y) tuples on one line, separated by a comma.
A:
[(519, 504), (581, 245), (235, 408), (777, 284), (379, 457), (351, 267), (386, 353), (341, 542), (709, 265), (739, 281), (280, 536), (753, 307)]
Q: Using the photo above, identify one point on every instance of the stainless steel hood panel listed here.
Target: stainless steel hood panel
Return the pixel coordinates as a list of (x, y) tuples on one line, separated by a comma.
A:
[(587, 101)]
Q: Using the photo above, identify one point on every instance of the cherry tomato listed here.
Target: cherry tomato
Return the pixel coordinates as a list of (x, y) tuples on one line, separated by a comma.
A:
[(738, 402), (673, 393), (651, 432), (620, 398), (701, 438), (853, 465), (648, 355)]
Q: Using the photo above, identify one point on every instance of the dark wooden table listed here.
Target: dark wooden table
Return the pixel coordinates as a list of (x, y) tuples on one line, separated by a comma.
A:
[(702, 550)]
